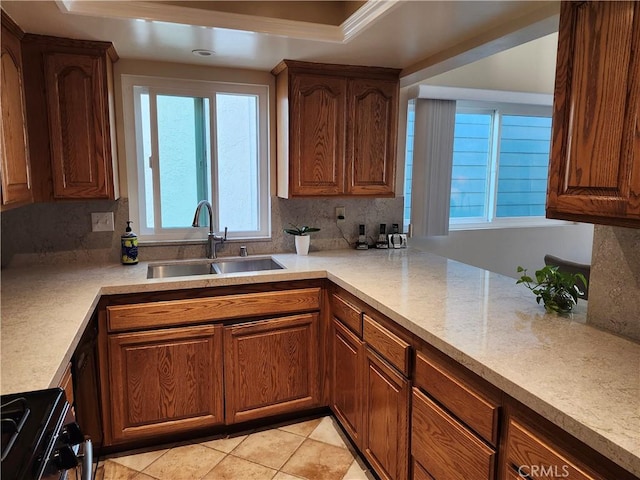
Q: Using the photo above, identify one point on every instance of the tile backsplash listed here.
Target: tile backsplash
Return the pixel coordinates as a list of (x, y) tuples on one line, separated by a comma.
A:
[(61, 232)]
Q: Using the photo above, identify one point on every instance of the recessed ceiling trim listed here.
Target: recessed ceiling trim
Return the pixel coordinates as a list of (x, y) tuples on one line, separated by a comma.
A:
[(365, 16), (356, 23), (538, 23)]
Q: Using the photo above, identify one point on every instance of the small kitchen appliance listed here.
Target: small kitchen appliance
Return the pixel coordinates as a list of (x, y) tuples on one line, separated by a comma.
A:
[(382, 242), (397, 239), (362, 239)]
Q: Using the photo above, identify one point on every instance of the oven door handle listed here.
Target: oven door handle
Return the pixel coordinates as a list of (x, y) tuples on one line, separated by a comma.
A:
[(87, 460)]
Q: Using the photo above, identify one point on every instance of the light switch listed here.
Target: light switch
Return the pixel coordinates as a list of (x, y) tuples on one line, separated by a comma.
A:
[(102, 222)]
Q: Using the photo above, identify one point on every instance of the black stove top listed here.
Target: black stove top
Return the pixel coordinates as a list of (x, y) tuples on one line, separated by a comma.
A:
[(30, 425)]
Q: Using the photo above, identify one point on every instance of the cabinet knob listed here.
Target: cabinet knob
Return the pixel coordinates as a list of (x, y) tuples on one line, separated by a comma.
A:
[(65, 458), (72, 435)]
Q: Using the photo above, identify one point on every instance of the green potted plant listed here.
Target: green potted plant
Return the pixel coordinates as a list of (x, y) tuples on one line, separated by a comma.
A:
[(302, 238), (557, 290)]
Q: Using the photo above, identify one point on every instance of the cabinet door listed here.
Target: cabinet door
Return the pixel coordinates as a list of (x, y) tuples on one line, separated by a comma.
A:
[(16, 172), (271, 367), (165, 381), (595, 161), (317, 134), (371, 137), (79, 126), (347, 366), (386, 428)]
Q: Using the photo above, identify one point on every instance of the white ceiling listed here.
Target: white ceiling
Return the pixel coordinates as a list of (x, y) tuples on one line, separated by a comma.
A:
[(421, 37)]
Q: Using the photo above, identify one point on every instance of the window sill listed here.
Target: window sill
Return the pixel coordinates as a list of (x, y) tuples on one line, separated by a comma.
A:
[(146, 242), (512, 223)]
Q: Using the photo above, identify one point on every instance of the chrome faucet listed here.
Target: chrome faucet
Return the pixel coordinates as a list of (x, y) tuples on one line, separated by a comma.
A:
[(212, 239)]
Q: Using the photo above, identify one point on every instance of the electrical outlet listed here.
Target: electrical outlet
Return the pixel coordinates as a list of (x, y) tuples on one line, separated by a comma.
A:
[(340, 215), (102, 222)]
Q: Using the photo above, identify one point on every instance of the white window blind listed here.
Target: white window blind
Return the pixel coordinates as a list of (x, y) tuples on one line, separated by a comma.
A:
[(432, 164), (498, 163)]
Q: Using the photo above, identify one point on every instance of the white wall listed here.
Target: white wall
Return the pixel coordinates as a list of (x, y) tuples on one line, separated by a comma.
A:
[(503, 250), (527, 68)]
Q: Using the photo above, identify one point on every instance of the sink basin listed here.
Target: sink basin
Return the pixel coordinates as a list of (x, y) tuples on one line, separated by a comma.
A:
[(246, 265), (207, 267), (179, 269)]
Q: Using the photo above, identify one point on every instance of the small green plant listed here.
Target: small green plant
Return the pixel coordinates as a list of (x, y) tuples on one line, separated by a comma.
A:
[(304, 230), (557, 290)]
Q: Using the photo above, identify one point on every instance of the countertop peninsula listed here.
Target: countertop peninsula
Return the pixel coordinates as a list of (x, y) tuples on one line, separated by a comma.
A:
[(585, 380)]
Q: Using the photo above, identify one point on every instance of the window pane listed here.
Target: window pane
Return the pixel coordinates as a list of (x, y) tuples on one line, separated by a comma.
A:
[(471, 160), (408, 167), (237, 151), (181, 150), (523, 167), (146, 153)]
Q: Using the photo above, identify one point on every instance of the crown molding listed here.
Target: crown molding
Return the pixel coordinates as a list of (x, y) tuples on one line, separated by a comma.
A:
[(140, 10)]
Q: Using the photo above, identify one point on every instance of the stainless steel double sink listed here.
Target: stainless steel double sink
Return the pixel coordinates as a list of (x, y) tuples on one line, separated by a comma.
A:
[(210, 266)]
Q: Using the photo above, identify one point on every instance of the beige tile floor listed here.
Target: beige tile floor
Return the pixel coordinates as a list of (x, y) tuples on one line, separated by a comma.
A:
[(312, 449)]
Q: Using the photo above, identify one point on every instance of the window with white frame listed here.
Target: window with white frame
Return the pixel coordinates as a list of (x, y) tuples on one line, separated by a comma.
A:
[(500, 164), (192, 141)]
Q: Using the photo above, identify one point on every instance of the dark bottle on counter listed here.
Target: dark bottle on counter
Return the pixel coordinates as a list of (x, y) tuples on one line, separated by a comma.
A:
[(382, 237), (362, 239)]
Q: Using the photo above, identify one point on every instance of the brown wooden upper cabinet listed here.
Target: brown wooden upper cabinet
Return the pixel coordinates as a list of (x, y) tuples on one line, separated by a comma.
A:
[(69, 107), (15, 165), (595, 161), (336, 129)]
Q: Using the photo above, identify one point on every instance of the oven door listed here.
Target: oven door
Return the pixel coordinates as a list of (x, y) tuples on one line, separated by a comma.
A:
[(82, 471), (71, 455)]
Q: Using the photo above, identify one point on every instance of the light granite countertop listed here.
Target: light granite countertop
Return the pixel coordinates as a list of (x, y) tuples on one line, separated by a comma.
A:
[(583, 379)]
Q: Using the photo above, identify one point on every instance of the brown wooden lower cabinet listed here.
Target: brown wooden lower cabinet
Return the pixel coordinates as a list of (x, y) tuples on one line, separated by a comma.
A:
[(173, 379), (536, 449), (511, 474), (446, 448), (66, 383), (165, 381), (271, 367), (386, 426), (532, 457), (347, 366), (419, 473)]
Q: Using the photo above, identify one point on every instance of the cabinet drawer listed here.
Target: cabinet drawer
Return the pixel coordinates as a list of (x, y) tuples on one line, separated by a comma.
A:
[(444, 447), (347, 313), (225, 307), (537, 459), (390, 346), (512, 475), (419, 473), (479, 413)]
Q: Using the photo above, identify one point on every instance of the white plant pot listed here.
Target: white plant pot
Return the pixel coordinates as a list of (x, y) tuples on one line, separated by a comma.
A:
[(302, 244)]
